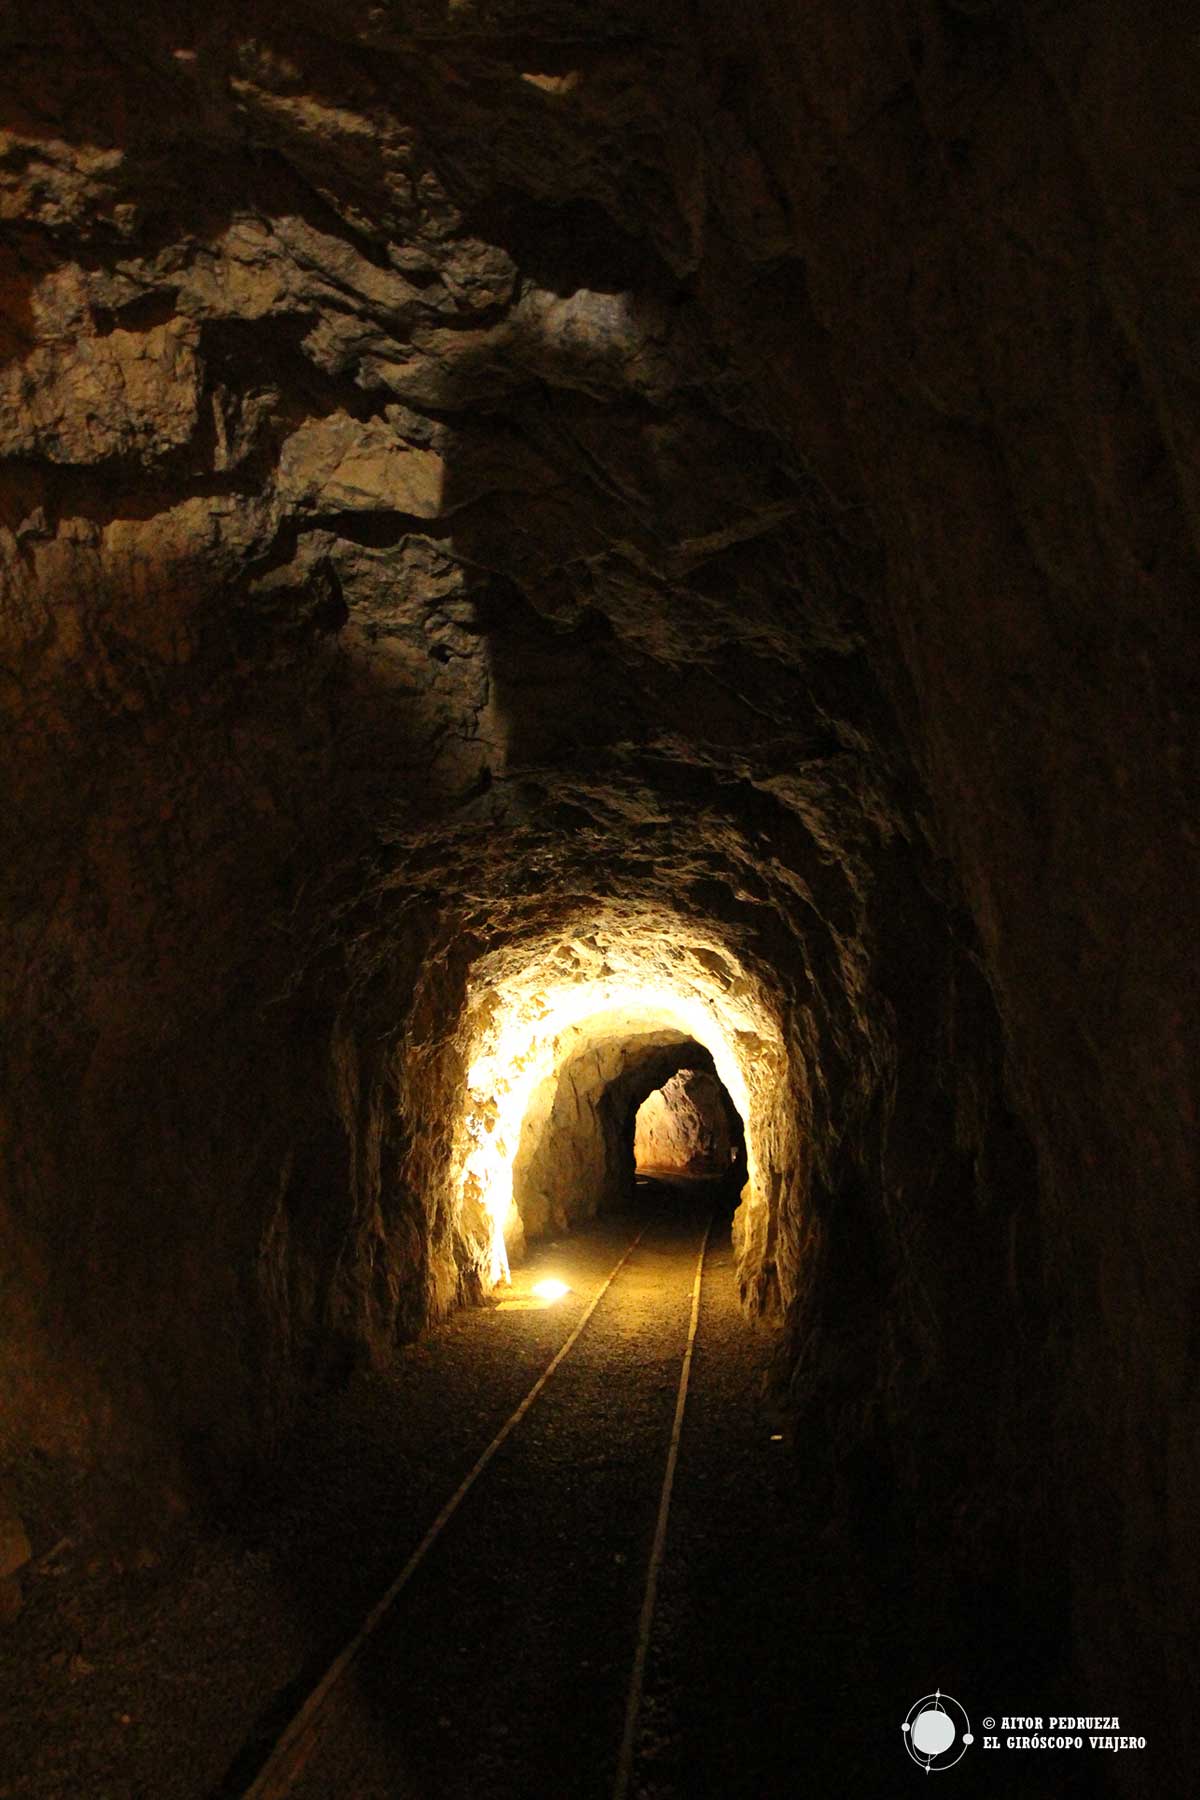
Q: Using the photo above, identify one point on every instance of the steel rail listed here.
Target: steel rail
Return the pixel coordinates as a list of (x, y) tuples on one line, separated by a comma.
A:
[(633, 1703), (295, 1745)]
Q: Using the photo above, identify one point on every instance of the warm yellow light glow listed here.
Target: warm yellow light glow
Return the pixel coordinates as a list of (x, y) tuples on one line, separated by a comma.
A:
[(550, 1289), (622, 994)]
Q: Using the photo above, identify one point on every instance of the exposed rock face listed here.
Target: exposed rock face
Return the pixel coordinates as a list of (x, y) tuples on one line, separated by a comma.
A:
[(574, 1155), (14, 1542), (683, 1126), (15, 1552), (478, 478)]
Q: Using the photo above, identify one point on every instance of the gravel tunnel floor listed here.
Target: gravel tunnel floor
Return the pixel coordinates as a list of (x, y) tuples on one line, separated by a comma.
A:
[(780, 1660)]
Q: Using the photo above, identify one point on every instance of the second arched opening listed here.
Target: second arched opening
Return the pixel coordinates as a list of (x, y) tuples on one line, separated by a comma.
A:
[(577, 1150)]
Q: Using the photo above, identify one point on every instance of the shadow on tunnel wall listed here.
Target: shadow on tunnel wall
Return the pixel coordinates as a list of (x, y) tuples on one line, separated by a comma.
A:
[(289, 789), (440, 711), (904, 1240)]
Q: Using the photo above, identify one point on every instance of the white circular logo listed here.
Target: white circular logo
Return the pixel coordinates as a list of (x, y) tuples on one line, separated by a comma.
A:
[(936, 1731)]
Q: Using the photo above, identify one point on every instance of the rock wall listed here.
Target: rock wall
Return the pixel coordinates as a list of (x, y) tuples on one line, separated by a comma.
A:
[(487, 477), (683, 1126), (573, 1158), (982, 206)]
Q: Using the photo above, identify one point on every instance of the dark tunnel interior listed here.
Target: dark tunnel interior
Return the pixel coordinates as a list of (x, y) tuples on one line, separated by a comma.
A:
[(560, 558)]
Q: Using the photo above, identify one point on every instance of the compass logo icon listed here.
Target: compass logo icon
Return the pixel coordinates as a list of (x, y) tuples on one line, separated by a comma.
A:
[(937, 1731)]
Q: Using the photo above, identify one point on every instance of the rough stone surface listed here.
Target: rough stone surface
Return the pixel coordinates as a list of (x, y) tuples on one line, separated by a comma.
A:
[(574, 1156), (14, 1544), (481, 478), (683, 1126), (15, 1552)]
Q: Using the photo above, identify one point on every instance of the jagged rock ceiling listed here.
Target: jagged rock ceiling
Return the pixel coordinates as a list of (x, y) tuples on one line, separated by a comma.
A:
[(531, 508), (480, 474)]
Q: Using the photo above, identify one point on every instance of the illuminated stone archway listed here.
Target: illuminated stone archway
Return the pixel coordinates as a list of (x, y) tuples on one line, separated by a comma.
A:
[(575, 1153), (600, 1018)]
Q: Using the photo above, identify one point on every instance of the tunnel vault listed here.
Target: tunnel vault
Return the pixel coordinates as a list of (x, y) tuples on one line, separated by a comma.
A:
[(573, 1158), (570, 500), (566, 1047)]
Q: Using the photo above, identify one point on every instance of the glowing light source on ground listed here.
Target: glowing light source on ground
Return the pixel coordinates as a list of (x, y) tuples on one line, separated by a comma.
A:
[(518, 1298)]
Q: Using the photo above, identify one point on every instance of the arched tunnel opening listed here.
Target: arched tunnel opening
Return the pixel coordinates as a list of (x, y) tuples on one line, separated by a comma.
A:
[(578, 1150), (575, 1158), (567, 1047), (597, 662), (688, 1127)]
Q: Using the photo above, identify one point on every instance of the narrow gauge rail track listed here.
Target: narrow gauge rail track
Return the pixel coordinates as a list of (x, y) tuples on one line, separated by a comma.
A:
[(354, 1733)]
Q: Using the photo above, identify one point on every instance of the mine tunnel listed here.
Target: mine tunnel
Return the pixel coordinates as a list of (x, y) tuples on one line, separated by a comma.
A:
[(598, 870), (688, 1126)]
